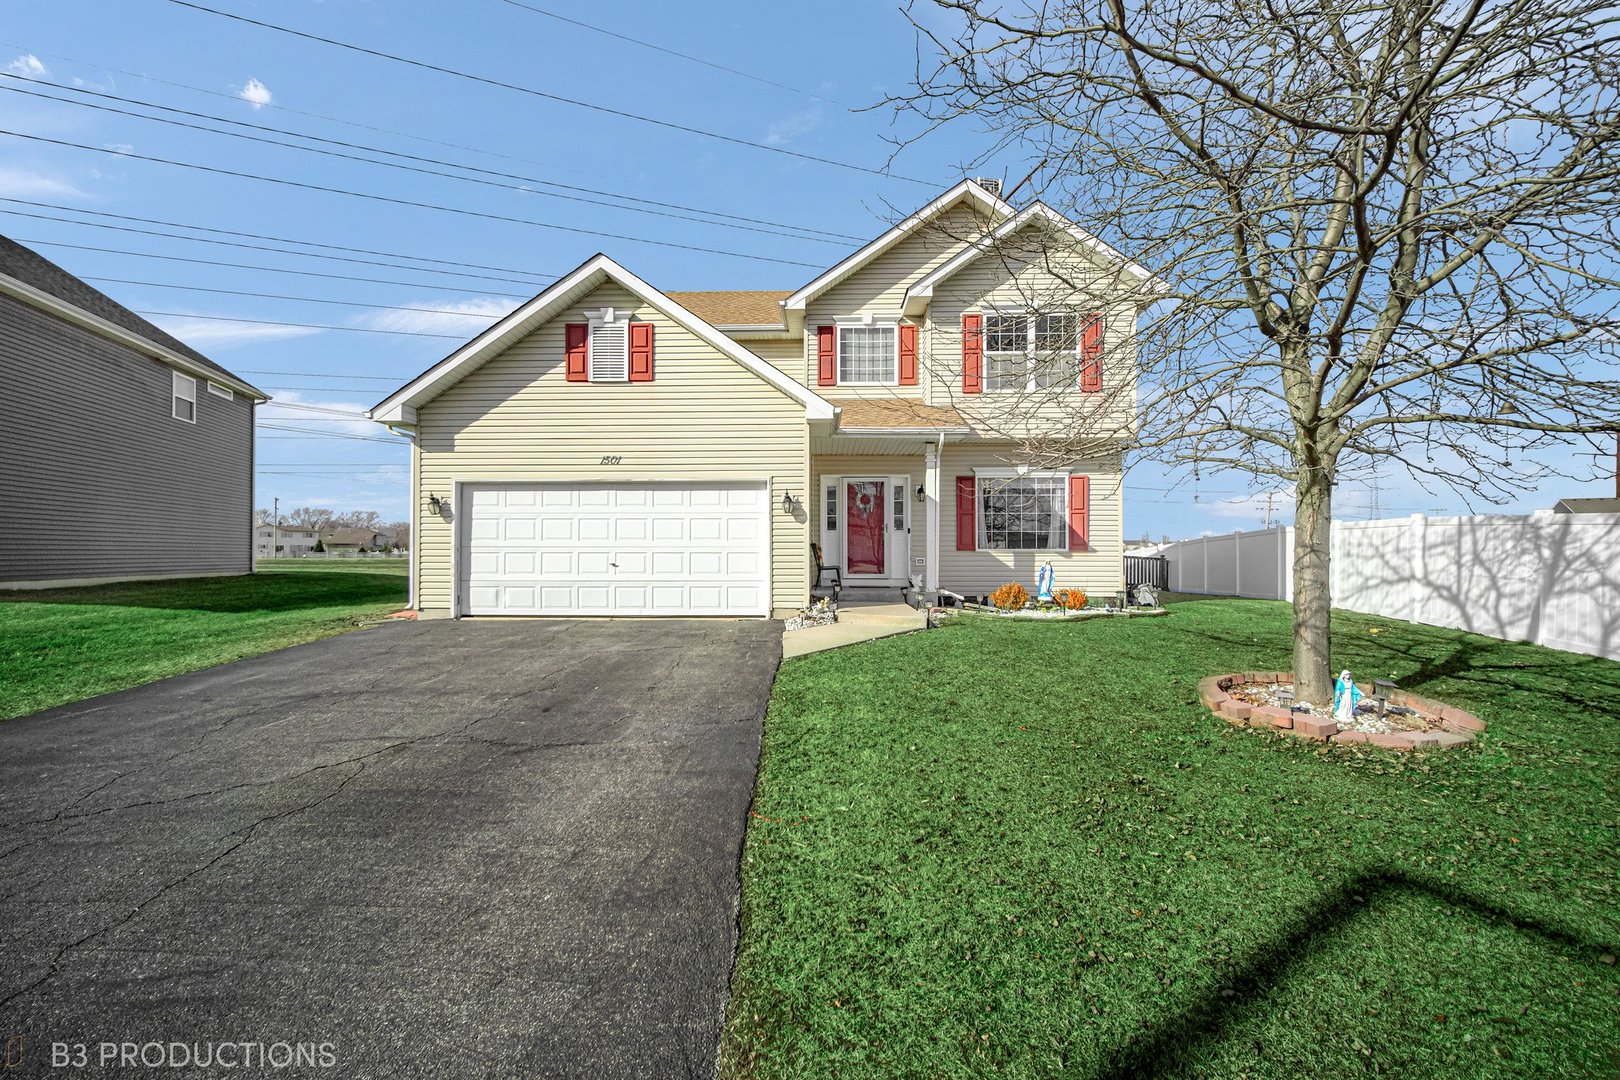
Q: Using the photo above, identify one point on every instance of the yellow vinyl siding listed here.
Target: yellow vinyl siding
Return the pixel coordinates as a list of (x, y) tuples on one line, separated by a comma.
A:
[(879, 289), (1100, 571), (997, 281), (784, 354), (704, 416)]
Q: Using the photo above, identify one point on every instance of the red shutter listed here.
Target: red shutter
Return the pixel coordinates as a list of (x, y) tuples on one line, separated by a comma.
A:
[(576, 338), (641, 352), (1091, 350), (967, 533), (1079, 513), (826, 356), (908, 355), (972, 354)]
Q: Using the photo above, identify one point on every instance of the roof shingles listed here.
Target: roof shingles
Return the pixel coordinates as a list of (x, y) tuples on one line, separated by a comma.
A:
[(747, 307)]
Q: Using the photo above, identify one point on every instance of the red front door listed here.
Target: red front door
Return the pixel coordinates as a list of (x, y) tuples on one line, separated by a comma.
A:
[(864, 527)]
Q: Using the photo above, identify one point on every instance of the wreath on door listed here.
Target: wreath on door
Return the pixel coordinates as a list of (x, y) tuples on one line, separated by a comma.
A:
[(864, 500)]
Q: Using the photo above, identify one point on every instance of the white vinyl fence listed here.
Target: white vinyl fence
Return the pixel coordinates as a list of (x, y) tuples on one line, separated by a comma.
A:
[(1553, 579)]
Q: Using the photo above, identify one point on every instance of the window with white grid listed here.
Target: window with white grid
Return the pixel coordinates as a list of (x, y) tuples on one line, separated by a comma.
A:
[(184, 398), (1023, 513), (1024, 352), (868, 354)]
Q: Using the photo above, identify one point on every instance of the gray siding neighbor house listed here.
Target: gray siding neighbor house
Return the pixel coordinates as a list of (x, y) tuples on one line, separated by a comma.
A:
[(125, 453)]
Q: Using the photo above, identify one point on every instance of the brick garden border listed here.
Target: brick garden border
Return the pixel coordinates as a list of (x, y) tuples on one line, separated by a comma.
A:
[(1457, 726)]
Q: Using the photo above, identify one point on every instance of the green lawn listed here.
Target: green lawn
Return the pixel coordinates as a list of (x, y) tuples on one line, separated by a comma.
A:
[(1022, 849), (63, 645)]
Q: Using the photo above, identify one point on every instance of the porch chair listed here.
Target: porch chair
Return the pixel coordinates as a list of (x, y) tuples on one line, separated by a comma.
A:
[(822, 569)]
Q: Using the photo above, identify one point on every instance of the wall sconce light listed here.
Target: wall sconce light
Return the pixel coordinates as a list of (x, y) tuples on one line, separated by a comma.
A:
[(437, 505), (922, 493), (788, 503)]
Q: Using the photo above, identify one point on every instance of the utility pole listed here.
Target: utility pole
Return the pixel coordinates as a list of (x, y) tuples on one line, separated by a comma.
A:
[(275, 526), (1269, 496)]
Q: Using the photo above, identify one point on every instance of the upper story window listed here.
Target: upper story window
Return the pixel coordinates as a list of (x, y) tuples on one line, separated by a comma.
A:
[(220, 391), (610, 348), (185, 398), (868, 354), (1031, 352)]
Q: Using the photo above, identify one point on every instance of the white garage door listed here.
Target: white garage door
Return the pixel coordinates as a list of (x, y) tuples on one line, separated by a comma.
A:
[(616, 549)]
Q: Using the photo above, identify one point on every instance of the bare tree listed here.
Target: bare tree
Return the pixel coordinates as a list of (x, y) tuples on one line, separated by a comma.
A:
[(401, 532), (357, 519), (1387, 228), (309, 517)]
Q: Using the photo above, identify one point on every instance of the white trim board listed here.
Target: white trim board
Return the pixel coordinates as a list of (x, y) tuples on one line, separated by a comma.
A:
[(400, 406)]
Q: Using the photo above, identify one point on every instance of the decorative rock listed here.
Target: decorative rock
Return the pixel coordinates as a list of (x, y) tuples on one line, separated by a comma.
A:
[(1314, 727)]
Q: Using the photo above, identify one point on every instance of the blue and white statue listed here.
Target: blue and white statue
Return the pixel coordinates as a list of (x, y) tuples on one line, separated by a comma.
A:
[(1346, 696), (1043, 582)]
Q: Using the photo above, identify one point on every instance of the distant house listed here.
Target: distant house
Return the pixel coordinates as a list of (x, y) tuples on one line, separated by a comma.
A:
[(1587, 506), (355, 540), (282, 541), (126, 453)]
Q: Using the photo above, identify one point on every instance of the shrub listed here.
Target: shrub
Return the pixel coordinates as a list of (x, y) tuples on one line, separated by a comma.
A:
[(1010, 597), (1070, 599)]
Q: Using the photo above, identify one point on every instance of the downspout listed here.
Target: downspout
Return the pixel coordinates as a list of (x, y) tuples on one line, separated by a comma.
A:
[(415, 515)]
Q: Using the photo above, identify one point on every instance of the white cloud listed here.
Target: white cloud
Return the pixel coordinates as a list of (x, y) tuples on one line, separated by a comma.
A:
[(462, 318), (789, 128), (333, 416), (119, 147), (24, 183), (28, 66), (198, 332), (1253, 506), (255, 93)]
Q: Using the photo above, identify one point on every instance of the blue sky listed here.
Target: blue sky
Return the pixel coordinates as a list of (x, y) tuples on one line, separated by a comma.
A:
[(798, 85)]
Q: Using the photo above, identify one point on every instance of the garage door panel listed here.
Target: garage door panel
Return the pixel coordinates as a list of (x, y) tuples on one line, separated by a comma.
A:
[(602, 549)]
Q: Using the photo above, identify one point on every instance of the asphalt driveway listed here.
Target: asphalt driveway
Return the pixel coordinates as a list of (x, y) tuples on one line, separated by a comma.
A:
[(450, 849)]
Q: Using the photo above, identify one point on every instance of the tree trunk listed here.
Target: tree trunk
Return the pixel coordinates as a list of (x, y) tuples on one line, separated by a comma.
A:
[(1313, 599)]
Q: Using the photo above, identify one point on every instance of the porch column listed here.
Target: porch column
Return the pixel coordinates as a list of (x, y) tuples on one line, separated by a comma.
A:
[(931, 516)]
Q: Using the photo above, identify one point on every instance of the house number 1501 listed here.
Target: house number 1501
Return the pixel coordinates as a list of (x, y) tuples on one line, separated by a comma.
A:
[(611, 459)]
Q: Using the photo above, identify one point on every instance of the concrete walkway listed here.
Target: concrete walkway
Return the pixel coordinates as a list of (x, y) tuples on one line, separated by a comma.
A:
[(856, 623)]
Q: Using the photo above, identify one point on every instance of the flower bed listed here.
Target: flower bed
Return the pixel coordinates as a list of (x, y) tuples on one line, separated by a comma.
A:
[(1416, 723)]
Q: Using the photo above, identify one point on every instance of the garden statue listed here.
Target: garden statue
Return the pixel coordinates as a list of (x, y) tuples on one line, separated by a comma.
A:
[(1043, 583), (1147, 596), (1346, 696)]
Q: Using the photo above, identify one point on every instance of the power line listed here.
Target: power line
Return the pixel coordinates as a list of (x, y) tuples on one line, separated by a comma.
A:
[(516, 275), (525, 185), (437, 142), (395, 200), (301, 299), (312, 375), (545, 96), (330, 434), (672, 52), (143, 76), (251, 266), (305, 407), (298, 325)]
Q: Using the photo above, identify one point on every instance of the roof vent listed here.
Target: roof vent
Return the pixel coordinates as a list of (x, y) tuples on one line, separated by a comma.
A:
[(990, 184)]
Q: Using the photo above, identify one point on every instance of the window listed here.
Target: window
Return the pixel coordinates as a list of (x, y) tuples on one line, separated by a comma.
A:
[(832, 508), (868, 354), (220, 391), (1026, 352), (185, 398), (610, 349), (1023, 513), (897, 500)]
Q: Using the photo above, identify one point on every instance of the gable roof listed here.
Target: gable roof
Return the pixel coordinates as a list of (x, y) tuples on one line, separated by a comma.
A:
[(34, 279), (400, 406), (1587, 506), (746, 307), (922, 291), (967, 189)]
